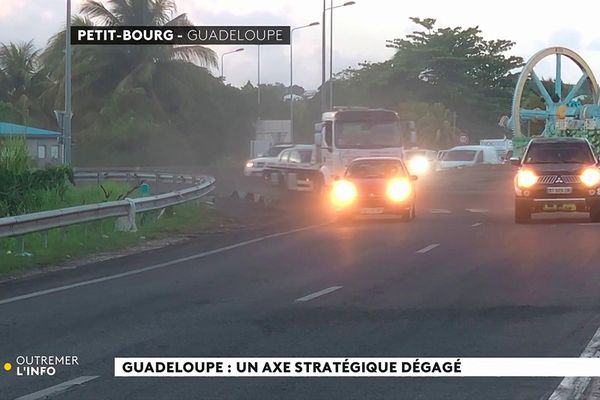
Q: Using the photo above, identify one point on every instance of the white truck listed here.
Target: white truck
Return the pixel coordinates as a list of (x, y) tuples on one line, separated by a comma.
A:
[(344, 134)]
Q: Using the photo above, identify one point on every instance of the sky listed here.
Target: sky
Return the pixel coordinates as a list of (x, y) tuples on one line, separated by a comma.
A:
[(360, 30)]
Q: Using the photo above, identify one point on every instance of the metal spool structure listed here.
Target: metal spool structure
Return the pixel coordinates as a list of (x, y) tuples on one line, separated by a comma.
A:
[(565, 114)]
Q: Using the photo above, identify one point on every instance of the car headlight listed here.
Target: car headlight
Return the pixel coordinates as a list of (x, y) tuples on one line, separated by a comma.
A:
[(398, 190), (343, 193), (526, 178), (590, 176), (418, 165), (249, 164)]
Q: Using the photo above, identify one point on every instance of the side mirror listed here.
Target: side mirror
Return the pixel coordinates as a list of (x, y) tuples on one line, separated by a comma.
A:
[(515, 161), (414, 178)]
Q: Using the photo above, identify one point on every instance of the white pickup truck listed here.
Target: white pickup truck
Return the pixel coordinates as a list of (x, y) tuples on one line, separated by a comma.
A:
[(344, 134)]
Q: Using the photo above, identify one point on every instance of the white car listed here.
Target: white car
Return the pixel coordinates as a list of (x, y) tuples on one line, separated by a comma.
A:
[(468, 156), (256, 166), (288, 168)]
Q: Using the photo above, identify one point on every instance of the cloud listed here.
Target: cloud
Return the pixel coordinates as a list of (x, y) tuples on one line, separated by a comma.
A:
[(360, 30)]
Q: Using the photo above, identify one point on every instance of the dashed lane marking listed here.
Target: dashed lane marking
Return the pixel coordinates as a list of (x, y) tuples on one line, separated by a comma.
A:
[(440, 211), (428, 248), (477, 224), (477, 210), (320, 293)]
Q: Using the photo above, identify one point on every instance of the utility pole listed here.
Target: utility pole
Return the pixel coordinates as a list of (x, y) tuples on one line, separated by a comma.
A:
[(67, 150), (323, 61)]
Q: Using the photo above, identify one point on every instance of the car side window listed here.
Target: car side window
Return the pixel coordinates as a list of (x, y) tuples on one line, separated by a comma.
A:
[(283, 157), (295, 157)]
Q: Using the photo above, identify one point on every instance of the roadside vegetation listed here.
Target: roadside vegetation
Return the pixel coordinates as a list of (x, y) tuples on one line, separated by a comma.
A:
[(142, 105), (24, 189)]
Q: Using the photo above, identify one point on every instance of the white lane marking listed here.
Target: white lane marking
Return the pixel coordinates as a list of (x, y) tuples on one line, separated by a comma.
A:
[(477, 210), (440, 211), (318, 294), (156, 266), (54, 390), (428, 248), (477, 224), (573, 387)]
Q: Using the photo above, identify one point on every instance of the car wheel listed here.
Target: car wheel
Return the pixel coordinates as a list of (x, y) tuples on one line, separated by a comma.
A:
[(409, 215), (522, 212), (595, 214)]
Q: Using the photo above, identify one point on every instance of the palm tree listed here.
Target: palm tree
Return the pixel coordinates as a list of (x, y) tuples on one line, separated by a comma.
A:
[(121, 75), (149, 13), (19, 79)]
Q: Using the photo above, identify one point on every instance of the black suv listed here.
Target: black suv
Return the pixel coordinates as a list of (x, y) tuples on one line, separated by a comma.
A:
[(557, 174)]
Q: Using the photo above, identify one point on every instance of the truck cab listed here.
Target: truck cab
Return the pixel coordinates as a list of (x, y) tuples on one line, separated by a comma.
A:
[(348, 133)]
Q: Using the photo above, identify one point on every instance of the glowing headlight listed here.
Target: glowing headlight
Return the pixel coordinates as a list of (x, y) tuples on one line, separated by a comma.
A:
[(398, 189), (526, 178), (590, 177), (418, 165), (249, 164), (343, 193)]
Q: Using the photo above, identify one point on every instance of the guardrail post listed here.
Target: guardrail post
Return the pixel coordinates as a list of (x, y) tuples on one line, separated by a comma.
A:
[(131, 215), (45, 238)]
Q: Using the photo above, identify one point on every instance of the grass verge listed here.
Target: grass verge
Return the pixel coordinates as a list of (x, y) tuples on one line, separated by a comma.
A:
[(77, 241)]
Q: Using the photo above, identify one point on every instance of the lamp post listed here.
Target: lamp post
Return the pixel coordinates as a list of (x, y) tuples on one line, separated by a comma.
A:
[(224, 54), (331, 8), (323, 44), (292, 77), (67, 155)]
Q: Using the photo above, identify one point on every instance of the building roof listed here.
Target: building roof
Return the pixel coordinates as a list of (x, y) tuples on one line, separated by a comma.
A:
[(8, 129)]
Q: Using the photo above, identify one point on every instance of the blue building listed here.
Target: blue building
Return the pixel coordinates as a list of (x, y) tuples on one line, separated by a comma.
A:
[(43, 144)]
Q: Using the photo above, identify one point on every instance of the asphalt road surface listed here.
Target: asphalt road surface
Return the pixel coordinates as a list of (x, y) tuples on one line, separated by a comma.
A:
[(461, 280)]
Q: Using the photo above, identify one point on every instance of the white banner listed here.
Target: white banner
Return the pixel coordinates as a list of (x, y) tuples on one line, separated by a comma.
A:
[(322, 367)]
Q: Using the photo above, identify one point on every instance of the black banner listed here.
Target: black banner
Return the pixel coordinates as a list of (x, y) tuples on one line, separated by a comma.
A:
[(181, 35)]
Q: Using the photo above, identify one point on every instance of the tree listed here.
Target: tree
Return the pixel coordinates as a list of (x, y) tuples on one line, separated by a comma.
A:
[(455, 67), (18, 76)]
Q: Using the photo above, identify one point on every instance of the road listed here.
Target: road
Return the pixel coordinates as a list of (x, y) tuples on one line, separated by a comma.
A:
[(462, 280)]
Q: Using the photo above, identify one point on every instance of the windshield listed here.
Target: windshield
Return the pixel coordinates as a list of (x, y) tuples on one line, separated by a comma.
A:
[(367, 135), (460, 155), (550, 153), (382, 169), (275, 151)]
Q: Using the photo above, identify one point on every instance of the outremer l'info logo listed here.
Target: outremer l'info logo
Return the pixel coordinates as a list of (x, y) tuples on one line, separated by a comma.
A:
[(39, 365)]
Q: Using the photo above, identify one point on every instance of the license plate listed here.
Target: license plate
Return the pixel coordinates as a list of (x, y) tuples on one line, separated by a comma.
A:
[(372, 210), (568, 207), (560, 190)]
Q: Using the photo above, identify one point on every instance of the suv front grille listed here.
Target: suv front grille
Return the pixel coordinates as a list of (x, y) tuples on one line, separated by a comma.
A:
[(551, 179), (547, 179)]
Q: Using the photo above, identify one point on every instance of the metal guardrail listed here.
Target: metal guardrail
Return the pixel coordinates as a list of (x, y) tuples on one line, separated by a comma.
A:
[(132, 176), (43, 221)]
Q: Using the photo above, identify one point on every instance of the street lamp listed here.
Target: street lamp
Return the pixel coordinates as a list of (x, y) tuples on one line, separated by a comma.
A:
[(349, 3), (66, 134), (224, 54), (292, 77)]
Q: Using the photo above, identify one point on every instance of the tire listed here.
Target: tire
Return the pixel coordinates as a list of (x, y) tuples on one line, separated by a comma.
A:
[(522, 212), (595, 214), (409, 215)]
